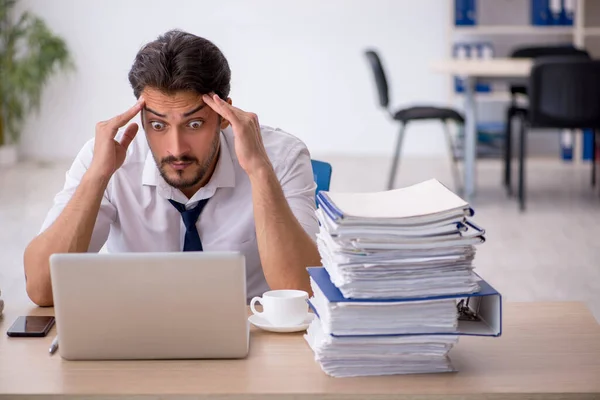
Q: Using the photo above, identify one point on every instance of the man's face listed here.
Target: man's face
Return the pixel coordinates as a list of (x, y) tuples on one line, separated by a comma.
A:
[(183, 135)]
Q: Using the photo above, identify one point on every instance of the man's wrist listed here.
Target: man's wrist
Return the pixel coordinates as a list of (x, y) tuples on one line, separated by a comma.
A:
[(97, 177), (261, 173)]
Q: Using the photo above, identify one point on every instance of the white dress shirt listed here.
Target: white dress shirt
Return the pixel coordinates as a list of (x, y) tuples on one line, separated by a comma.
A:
[(136, 216)]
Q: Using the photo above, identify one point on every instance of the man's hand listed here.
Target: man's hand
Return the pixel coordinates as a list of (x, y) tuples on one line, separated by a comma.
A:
[(246, 130), (72, 230), (109, 154)]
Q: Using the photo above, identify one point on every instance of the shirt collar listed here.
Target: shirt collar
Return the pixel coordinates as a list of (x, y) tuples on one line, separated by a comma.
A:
[(223, 175)]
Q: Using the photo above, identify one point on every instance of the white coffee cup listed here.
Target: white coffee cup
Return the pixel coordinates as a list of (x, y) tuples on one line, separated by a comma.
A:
[(282, 307)]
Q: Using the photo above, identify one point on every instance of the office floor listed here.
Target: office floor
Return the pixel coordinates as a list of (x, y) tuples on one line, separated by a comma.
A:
[(550, 252)]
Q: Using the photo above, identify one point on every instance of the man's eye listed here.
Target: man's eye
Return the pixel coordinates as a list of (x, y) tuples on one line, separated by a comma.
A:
[(157, 126), (195, 124)]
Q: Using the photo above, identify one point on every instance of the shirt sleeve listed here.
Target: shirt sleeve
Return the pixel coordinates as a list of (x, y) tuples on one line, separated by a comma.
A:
[(299, 187), (107, 213)]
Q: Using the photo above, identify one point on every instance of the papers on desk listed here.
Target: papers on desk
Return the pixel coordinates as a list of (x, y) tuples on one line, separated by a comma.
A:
[(359, 356), (428, 202), (339, 315), (396, 265), (417, 241), (437, 315)]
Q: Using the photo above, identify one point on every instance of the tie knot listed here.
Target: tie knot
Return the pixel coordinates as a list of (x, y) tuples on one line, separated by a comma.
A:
[(189, 216)]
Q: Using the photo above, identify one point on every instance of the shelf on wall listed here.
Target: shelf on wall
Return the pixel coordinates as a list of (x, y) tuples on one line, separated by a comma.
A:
[(515, 30)]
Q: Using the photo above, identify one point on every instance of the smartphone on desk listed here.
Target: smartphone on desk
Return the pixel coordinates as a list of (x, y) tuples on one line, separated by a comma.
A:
[(31, 326)]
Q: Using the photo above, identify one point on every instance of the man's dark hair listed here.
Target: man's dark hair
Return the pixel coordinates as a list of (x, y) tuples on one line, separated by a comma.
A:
[(179, 61)]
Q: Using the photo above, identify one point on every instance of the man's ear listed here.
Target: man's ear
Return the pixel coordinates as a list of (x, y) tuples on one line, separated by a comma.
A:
[(224, 122)]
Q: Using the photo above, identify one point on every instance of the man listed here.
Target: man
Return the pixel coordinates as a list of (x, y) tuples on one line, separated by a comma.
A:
[(252, 185)]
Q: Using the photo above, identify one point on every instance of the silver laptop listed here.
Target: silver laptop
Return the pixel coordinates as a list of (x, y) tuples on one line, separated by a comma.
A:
[(150, 305)]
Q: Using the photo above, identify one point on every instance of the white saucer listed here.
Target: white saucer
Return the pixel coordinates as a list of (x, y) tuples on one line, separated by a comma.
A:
[(264, 324)]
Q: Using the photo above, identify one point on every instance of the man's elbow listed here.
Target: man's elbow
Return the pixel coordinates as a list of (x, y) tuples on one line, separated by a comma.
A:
[(40, 295), (37, 283)]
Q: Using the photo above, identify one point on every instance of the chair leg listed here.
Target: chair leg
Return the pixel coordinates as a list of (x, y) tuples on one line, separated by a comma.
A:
[(594, 133), (522, 146), (392, 177), (508, 149), (454, 162)]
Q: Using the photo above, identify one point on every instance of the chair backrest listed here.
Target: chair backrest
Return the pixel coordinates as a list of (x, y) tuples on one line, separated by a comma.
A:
[(380, 79), (322, 174), (565, 93), (544, 51)]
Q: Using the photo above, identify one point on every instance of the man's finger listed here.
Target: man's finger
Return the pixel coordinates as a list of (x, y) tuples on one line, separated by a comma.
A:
[(221, 107), (121, 119), (129, 135), (238, 112), (254, 118)]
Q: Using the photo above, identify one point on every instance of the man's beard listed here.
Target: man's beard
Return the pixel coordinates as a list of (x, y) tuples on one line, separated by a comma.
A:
[(200, 172)]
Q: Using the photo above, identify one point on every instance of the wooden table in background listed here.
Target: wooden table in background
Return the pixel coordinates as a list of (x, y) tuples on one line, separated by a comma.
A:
[(547, 351), (473, 71)]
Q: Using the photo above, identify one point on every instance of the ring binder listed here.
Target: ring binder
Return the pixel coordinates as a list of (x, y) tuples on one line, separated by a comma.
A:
[(465, 313), (474, 226), (479, 313)]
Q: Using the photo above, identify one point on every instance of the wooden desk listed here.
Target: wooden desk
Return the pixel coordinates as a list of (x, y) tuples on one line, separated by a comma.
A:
[(548, 350), (504, 69)]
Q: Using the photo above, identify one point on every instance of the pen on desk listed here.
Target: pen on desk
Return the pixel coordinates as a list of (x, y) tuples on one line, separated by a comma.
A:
[(53, 346)]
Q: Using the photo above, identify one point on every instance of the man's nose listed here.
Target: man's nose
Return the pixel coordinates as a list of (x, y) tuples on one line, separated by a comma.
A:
[(177, 144)]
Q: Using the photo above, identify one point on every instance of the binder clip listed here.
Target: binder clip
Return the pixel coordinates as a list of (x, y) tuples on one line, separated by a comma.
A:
[(465, 313)]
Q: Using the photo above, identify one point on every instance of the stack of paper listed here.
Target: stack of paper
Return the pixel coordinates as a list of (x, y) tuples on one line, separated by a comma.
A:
[(363, 337), (353, 337), (339, 316), (416, 241), (379, 355), (396, 265)]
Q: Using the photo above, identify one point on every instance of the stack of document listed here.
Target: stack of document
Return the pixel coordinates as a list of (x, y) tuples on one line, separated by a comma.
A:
[(379, 355), (411, 242), (397, 273), (340, 316), (368, 337), (361, 337)]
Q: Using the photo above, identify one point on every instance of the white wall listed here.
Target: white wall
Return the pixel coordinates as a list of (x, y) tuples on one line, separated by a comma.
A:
[(298, 64)]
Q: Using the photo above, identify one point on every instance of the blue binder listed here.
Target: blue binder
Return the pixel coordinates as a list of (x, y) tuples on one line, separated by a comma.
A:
[(566, 145), (588, 144), (459, 12), (466, 48), (556, 12), (480, 316), (568, 13), (540, 12), (465, 12), (477, 52), (472, 12)]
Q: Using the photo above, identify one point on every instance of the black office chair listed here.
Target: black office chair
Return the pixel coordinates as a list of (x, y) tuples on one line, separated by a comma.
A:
[(514, 109), (405, 115), (563, 93)]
